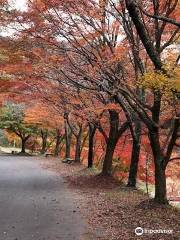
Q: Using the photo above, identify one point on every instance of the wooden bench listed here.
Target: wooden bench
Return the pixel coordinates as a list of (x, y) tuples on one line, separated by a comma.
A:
[(48, 154), (68, 160)]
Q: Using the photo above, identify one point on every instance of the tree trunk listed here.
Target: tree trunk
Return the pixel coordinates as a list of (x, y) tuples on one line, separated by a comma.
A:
[(108, 159), (160, 176), (44, 136), (78, 146), (68, 138), (23, 145), (114, 134), (160, 184), (135, 156), (92, 131), (135, 14), (134, 164), (58, 142), (111, 142)]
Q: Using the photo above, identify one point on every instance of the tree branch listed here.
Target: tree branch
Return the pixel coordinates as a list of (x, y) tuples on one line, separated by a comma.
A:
[(162, 18)]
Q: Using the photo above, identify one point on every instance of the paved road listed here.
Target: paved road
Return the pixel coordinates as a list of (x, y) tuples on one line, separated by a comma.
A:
[(35, 204)]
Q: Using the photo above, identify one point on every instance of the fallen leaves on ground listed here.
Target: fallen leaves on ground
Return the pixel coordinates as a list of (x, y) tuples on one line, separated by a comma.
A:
[(112, 210)]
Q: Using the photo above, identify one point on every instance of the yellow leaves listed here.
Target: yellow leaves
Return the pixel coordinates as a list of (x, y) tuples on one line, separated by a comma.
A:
[(3, 57), (153, 80), (165, 83), (175, 79)]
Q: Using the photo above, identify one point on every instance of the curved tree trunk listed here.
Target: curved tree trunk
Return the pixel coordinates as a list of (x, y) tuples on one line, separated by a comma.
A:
[(92, 131), (135, 156), (68, 138), (114, 134), (23, 143), (108, 159), (57, 147), (78, 146), (59, 139), (44, 136), (111, 142)]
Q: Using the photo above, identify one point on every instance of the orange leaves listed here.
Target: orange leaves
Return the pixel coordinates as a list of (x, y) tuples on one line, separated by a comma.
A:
[(14, 69), (38, 52), (40, 5), (102, 6), (112, 106), (41, 114), (56, 59), (120, 54)]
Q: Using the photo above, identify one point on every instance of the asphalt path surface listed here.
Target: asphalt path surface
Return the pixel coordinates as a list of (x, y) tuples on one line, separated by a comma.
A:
[(35, 203)]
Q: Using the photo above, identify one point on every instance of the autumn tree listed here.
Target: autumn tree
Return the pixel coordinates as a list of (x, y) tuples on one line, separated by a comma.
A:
[(50, 129), (12, 120), (151, 114), (106, 48)]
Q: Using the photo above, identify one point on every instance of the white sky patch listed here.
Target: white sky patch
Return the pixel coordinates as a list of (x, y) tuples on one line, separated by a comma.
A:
[(12, 29), (19, 4)]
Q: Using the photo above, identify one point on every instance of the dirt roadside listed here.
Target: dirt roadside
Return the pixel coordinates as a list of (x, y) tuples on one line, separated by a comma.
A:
[(113, 211)]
